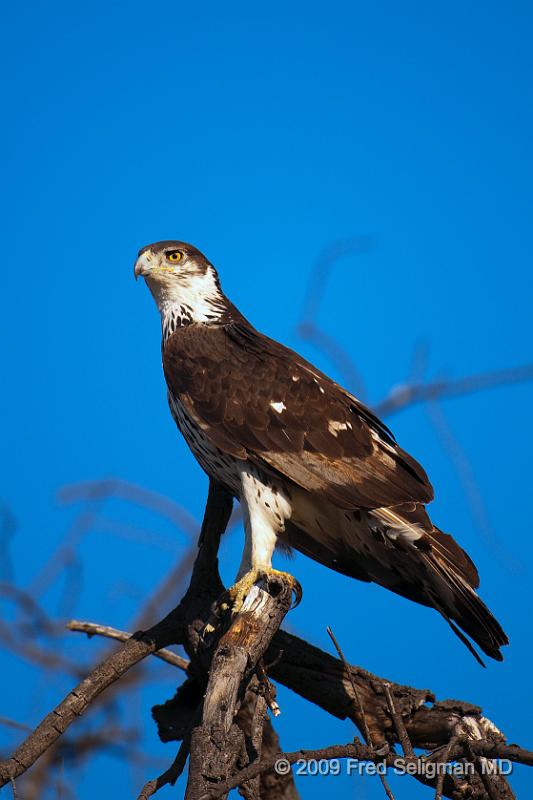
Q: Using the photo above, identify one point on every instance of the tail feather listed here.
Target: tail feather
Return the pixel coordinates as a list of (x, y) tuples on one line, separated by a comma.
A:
[(458, 602), (399, 548), (450, 581)]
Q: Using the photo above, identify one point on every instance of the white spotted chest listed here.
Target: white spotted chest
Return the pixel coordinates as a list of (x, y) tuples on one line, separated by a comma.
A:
[(219, 465), (266, 502)]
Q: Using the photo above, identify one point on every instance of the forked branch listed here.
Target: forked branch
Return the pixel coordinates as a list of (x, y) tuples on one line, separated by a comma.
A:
[(227, 735)]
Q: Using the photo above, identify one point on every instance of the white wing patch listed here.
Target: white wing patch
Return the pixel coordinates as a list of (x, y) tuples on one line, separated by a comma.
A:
[(279, 407), (399, 528), (334, 426), (377, 438)]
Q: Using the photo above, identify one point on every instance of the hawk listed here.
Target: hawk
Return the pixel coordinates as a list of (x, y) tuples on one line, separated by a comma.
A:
[(313, 468)]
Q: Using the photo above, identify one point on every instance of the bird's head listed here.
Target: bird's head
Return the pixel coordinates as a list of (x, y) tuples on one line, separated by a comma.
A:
[(180, 277)]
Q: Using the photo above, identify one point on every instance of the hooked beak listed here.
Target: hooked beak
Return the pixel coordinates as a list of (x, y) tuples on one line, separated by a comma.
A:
[(142, 266)]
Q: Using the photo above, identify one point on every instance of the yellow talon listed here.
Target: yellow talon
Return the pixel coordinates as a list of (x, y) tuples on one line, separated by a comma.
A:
[(236, 594), (233, 598), (284, 577)]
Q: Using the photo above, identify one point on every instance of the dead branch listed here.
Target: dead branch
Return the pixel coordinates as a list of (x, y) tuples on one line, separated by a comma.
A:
[(218, 744), (414, 391), (93, 629), (132, 493), (12, 723), (360, 708), (409, 395), (359, 752), (204, 585), (223, 749), (403, 736), (324, 681), (336, 354), (76, 703)]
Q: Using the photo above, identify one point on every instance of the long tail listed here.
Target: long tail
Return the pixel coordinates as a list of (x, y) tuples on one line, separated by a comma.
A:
[(458, 602), (450, 584), (400, 549)]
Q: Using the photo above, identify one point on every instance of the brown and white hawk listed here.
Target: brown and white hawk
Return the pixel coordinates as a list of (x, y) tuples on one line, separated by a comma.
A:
[(312, 467)]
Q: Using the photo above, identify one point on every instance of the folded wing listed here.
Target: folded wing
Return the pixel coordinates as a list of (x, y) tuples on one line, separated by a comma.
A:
[(260, 401)]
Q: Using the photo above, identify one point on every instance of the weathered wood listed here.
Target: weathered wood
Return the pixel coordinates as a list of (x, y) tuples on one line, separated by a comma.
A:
[(226, 669), (219, 744), (251, 719), (205, 587), (273, 785)]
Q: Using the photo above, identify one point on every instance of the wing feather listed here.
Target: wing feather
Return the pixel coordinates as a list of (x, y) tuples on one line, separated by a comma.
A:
[(262, 401), (256, 400)]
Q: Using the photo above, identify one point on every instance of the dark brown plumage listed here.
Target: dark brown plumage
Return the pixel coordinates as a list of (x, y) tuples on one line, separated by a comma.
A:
[(356, 499), (229, 376)]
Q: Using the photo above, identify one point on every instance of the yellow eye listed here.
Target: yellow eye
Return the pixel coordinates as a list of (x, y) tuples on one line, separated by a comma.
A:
[(174, 256)]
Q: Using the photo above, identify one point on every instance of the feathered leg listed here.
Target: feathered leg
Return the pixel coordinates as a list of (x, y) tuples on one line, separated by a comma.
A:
[(265, 508)]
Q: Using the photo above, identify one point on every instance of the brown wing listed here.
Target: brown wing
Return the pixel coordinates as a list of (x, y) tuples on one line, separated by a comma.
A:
[(257, 400)]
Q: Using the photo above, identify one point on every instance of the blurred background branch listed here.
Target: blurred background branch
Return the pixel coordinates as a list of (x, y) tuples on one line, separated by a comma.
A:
[(37, 636)]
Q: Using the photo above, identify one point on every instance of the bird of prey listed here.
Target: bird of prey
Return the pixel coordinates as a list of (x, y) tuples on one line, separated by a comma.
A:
[(313, 468)]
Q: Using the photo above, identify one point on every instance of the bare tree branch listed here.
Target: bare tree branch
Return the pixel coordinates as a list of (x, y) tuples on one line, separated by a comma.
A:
[(226, 669), (168, 631), (93, 629), (406, 396)]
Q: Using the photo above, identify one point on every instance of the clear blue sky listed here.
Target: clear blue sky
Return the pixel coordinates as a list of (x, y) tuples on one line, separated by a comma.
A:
[(262, 134)]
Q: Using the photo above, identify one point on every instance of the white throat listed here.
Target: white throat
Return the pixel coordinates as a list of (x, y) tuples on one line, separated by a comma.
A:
[(190, 299)]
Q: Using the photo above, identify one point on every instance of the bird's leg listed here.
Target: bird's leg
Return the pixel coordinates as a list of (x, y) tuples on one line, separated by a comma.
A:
[(264, 507)]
